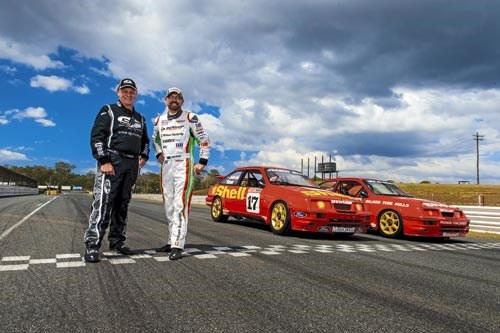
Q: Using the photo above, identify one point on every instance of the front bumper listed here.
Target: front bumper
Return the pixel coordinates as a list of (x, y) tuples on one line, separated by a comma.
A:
[(341, 223)]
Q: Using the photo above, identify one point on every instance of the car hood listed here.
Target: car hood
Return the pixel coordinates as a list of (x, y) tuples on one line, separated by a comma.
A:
[(424, 203), (319, 194), (433, 204)]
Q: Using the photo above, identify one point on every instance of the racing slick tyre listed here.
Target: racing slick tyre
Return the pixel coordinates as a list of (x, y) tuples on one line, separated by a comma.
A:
[(280, 218), (216, 211), (390, 224)]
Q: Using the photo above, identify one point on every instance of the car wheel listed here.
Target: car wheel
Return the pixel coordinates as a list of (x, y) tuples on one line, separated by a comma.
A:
[(280, 218), (216, 211), (390, 224)]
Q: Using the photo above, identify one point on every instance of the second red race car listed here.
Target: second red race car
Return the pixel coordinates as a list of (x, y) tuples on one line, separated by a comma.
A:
[(395, 212), (285, 200)]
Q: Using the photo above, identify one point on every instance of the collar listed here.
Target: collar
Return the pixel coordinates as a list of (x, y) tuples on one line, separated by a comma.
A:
[(119, 103), (174, 116)]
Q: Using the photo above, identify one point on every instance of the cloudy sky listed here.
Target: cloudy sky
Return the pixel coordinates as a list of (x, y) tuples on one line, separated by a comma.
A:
[(391, 89)]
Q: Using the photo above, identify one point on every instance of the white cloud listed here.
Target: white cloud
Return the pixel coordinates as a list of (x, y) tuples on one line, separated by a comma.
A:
[(46, 122), (8, 155), (31, 112), (8, 69), (51, 83), (55, 83), (27, 54), (38, 114), (84, 90)]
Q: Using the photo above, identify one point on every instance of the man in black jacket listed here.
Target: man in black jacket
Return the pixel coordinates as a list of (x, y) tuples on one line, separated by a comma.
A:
[(120, 144)]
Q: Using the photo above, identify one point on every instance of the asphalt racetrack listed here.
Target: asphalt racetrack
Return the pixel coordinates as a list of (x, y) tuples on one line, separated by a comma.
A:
[(235, 277)]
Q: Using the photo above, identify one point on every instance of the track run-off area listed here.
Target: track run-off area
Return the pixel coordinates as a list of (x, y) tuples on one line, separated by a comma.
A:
[(235, 277)]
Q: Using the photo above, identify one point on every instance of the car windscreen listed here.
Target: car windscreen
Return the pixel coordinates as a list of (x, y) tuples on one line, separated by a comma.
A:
[(385, 188), (289, 177)]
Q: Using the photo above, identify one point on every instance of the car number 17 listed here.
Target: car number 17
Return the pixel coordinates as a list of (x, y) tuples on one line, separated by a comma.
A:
[(253, 200)]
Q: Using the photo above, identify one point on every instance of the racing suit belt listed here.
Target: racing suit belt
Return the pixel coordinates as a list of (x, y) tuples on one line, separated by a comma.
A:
[(176, 156), (122, 154)]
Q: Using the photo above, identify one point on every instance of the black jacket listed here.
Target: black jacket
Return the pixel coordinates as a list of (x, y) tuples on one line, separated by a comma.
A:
[(118, 130)]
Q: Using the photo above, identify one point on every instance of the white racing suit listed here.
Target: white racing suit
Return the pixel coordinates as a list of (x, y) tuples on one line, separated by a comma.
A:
[(175, 137)]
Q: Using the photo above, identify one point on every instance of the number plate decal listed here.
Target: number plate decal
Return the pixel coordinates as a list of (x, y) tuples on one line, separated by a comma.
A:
[(253, 202)]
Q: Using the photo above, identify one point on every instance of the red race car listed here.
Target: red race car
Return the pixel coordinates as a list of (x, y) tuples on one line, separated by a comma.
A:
[(286, 200), (395, 212)]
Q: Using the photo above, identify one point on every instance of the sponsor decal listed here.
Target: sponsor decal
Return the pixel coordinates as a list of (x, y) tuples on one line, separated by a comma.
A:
[(388, 203), (344, 229), (230, 193), (318, 193), (300, 214), (454, 222), (284, 171), (107, 186), (324, 229), (179, 145), (451, 234), (343, 202), (129, 121), (434, 204)]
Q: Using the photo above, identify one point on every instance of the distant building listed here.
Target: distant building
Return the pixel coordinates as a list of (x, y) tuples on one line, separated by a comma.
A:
[(14, 183)]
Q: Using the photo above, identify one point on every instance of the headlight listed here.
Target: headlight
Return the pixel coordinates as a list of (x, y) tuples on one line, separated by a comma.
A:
[(431, 212)]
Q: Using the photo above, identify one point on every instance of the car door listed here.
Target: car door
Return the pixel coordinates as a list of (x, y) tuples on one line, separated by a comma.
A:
[(233, 196), (253, 183)]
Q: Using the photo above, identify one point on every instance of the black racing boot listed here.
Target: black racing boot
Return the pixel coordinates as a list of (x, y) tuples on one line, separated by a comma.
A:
[(92, 253), (165, 248), (175, 254), (120, 247)]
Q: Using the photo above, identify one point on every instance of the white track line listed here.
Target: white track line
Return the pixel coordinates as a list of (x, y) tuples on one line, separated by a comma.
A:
[(8, 231)]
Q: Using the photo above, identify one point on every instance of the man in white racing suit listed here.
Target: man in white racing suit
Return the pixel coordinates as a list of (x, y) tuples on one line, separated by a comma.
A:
[(174, 135)]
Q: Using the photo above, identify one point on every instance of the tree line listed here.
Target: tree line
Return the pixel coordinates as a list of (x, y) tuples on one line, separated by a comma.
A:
[(62, 175)]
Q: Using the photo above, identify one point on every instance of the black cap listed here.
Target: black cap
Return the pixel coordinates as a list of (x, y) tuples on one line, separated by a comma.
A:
[(173, 90), (126, 83)]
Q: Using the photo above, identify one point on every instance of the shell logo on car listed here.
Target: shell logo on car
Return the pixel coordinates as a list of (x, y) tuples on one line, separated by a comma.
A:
[(229, 193)]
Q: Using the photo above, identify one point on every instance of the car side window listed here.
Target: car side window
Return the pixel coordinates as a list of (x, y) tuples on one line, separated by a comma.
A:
[(232, 179), (252, 179), (258, 179), (354, 189)]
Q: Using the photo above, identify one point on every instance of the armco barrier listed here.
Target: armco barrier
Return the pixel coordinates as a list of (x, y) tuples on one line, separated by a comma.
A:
[(8, 191), (483, 218)]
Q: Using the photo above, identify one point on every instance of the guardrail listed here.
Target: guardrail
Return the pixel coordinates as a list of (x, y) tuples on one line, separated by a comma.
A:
[(483, 218), (7, 191)]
